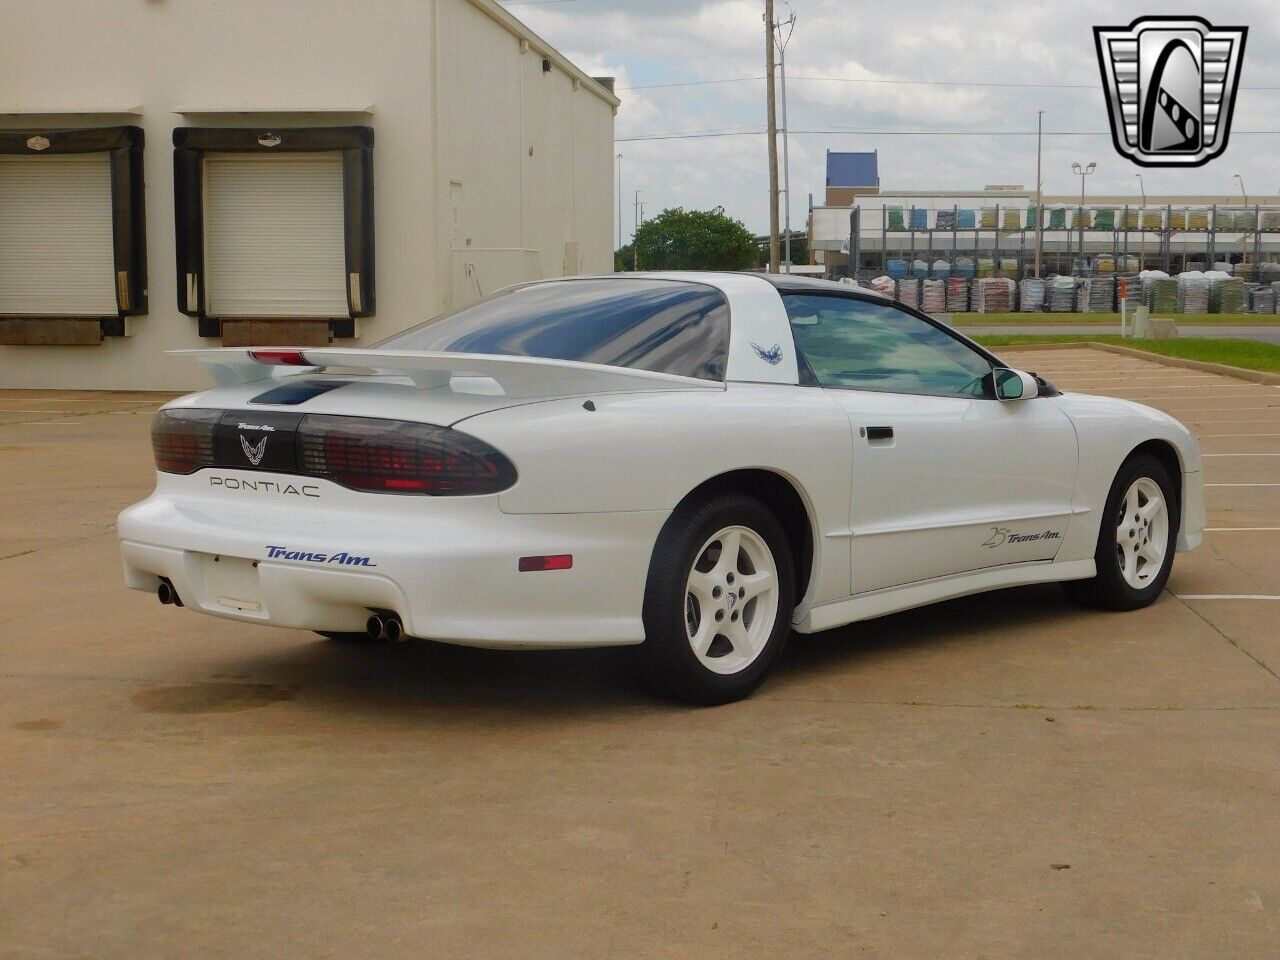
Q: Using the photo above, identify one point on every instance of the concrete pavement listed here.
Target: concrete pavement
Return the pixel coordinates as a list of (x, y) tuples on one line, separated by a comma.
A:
[(1267, 334), (1003, 776)]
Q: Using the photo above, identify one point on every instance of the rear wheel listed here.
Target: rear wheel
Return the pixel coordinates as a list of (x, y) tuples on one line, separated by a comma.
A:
[(718, 602), (1136, 544)]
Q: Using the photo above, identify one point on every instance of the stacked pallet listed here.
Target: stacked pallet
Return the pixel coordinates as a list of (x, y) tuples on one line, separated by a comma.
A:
[(1098, 295), (965, 220), (1061, 293), (986, 267), (1275, 294), (909, 292), (1262, 298), (988, 218), (1271, 219), (1245, 269), (1193, 292), (957, 295), (1244, 221), (1008, 267), (1010, 220), (1127, 264), (919, 218), (1160, 291), (1197, 219), (994, 295), (1177, 219), (1104, 220), (1031, 295), (1104, 264), (940, 270), (1033, 216), (896, 268), (1058, 218), (965, 268), (1227, 296), (1151, 220), (1132, 291), (933, 296), (1130, 220), (1082, 219), (945, 220), (893, 218)]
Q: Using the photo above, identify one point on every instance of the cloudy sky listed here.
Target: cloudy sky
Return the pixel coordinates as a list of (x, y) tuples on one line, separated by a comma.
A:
[(992, 64)]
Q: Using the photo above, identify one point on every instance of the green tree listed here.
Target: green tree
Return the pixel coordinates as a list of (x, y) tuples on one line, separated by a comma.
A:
[(689, 240)]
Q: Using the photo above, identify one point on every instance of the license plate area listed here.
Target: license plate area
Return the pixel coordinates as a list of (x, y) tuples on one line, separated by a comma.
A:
[(232, 583)]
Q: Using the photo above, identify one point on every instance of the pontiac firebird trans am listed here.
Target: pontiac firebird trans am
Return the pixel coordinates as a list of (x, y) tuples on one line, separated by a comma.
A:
[(695, 464)]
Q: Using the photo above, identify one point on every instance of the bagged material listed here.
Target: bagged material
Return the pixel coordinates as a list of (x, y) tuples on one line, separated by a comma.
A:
[(988, 218), (1262, 298), (1058, 218), (986, 267), (920, 269), (1082, 218), (1008, 267), (896, 268), (1061, 293), (1271, 219), (1244, 269), (919, 218), (1098, 295), (1130, 220), (965, 267), (1131, 289), (1104, 264), (1031, 295), (994, 295), (1243, 221), (909, 293), (1177, 219), (1152, 220), (1104, 220), (1162, 294), (1010, 220), (957, 295), (1275, 295), (893, 218), (965, 220), (1193, 292), (945, 219), (933, 296), (1127, 264), (1198, 220), (885, 285), (1033, 217), (1227, 296), (940, 270)]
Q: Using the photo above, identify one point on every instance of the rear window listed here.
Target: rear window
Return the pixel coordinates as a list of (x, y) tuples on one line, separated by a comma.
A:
[(659, 325)]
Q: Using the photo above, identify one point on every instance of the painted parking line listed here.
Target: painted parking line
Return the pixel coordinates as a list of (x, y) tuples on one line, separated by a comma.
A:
[(1224, 436), (1242, 484), (1240, 454), (1241, 529), (1226, 596)]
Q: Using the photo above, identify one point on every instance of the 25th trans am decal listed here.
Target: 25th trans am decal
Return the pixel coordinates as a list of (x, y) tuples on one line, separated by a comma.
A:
[(1002, 535), (306, 556)]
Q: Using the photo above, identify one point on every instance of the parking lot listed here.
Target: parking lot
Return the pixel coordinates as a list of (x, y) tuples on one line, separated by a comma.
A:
[(1001, 776)]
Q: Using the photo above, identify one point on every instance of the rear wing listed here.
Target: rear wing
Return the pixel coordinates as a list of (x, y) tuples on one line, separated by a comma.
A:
[(519, 377)]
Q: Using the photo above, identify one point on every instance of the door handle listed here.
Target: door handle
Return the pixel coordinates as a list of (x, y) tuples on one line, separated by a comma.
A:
[(877, 434)]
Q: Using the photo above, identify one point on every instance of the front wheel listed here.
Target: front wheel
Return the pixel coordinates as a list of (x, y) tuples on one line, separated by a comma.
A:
[(718, 602), (1137, 541)]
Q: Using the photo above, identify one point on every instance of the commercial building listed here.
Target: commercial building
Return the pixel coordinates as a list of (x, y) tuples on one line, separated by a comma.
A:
[(178, 175), (1123, 232)]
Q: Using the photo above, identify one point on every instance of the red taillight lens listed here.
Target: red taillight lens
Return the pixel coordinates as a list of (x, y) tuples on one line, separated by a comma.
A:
[(281, 358), (393, 456), (182, 440)]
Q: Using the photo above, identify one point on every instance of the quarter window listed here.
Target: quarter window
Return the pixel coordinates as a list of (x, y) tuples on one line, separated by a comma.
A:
[(861, 345)]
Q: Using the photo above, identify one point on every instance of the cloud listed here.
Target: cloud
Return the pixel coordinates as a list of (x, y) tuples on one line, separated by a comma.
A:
[(994, 42)]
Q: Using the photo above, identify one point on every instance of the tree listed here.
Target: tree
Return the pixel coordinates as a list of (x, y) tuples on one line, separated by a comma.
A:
[(689, 240)]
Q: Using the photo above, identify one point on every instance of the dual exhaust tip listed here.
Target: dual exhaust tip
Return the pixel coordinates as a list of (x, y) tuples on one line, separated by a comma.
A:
[(385, 626), (380, 626)]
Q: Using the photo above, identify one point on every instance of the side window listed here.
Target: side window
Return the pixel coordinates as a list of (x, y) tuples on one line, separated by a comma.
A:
[(870, 346)]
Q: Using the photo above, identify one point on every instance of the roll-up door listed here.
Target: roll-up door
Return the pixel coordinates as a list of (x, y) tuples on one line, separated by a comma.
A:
[(274, 235), (56, 248)]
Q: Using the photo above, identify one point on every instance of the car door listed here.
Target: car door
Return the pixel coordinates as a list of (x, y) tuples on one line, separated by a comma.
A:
[(946, 478)]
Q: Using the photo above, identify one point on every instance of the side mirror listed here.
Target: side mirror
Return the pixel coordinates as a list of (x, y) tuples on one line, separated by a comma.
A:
[(1014, 384)]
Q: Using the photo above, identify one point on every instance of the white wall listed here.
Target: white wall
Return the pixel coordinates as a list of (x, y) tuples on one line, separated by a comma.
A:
[(452, 97)]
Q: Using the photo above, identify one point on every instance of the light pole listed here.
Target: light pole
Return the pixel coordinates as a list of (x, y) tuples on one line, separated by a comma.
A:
[(635, 247), (790, 24), (1142, 187), (619, 201), (1039, 189), (1082, 172), (1236, 176)]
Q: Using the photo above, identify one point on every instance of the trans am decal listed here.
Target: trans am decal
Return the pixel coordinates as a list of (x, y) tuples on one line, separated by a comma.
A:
[(1003, 535), (770, 355), (306, 556)]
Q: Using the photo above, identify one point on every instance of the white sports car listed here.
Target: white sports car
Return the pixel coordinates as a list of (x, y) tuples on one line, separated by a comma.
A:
[(695, 464)]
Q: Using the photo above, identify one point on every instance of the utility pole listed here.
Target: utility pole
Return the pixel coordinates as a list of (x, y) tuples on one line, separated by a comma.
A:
[(772, 116), (619, 201), (1082, 172), (1039, 190), (790, 24)]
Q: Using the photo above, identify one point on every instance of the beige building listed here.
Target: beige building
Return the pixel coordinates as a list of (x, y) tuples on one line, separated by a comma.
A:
[(178, 175)]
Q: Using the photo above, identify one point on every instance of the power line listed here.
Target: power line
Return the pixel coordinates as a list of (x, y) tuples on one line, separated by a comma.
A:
[(709, 134), (1009, 84)]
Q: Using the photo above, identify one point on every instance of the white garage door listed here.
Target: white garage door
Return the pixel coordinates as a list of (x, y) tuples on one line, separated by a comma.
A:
[(274, 236), (56, 255)]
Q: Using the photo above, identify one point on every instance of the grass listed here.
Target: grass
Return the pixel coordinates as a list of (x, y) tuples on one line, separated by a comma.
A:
[(1108, 319), (1249, 354)]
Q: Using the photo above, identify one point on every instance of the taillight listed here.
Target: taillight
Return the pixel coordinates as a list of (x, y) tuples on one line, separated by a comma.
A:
[(393, 456), (182, 440)]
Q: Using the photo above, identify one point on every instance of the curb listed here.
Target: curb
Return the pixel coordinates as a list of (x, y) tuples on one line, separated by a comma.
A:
[(1240, 373)]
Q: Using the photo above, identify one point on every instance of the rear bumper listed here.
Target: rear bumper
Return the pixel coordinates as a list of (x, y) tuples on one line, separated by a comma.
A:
[(447, 567)]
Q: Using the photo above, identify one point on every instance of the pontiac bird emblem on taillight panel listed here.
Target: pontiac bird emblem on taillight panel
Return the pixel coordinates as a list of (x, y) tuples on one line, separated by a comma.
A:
[(1170, 84), (254, 451)]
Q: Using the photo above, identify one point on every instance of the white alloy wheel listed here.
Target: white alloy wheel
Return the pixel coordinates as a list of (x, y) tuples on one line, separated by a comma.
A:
[(1142, 533), (731, 600)]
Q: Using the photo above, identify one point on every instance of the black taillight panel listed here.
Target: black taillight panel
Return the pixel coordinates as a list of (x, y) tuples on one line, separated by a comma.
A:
[(362, 453)]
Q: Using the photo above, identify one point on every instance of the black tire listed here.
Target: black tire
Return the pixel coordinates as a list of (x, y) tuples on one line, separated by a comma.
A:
[(1109, 590), (666, 657)]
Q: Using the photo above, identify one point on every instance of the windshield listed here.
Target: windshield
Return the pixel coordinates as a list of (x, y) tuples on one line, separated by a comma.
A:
[(659, 325)]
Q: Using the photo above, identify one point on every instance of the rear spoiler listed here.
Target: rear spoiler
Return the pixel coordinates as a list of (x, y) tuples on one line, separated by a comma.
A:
[(519, 377)]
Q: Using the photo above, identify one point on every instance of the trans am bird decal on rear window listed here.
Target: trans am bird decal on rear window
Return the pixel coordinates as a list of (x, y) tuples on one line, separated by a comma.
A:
[(772, 356)]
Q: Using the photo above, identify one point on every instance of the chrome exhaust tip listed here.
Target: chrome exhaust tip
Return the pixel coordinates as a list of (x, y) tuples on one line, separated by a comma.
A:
[(376, 628), (394, 629), (166, 594)]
